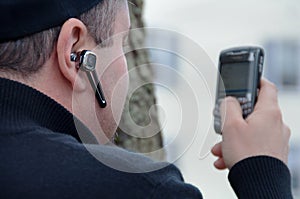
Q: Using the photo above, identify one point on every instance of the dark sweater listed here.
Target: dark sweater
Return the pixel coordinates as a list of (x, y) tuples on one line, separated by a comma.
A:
[(42, 157)]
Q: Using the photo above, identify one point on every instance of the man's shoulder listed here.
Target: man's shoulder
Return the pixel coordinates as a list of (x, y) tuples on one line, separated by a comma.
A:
[(55, 163), (43, 144)]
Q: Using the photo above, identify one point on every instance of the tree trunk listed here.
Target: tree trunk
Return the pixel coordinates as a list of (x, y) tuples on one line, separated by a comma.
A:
[(138, 106)]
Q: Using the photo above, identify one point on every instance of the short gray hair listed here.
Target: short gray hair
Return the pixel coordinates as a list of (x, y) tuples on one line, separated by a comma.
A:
[(27, 55)]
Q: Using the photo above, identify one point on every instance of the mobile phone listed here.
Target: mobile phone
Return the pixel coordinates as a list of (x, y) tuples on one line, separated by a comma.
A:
[(240, 71)]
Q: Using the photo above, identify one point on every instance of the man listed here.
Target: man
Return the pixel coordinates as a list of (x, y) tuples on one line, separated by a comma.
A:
[(47, 101)]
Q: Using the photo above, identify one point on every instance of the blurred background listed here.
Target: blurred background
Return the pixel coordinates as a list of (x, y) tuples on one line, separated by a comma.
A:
[(215, 25)]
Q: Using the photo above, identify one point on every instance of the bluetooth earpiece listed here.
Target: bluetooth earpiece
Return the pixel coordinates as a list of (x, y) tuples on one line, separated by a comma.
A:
[(87, 63)]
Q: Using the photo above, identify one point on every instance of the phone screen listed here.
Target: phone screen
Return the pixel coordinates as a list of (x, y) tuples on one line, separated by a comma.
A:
[(236, 77)]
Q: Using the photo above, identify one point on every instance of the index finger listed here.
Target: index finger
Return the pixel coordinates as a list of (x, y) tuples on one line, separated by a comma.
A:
[(267, 95)]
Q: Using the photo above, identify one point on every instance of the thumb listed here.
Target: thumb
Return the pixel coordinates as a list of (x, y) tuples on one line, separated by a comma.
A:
[(230, 111)]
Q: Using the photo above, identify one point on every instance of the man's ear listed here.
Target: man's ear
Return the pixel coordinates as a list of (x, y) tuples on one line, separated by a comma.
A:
[(73, 37)]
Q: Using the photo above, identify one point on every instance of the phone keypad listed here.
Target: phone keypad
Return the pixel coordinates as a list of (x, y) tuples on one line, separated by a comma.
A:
[(217, 117), (246, 105)]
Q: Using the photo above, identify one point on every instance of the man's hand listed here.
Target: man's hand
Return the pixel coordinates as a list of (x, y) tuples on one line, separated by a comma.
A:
[(262, 133)]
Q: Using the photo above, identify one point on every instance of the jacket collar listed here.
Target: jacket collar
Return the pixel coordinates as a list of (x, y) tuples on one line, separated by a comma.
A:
[(21, 105)]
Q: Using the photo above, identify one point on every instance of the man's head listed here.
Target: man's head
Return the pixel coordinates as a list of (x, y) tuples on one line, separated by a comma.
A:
[(41, 59)]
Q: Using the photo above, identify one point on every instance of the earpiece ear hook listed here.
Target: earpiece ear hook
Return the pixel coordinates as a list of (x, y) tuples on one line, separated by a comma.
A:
[(87, 63)]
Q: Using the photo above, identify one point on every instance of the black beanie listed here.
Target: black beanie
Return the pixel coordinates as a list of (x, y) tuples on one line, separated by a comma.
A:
[(20, 18)]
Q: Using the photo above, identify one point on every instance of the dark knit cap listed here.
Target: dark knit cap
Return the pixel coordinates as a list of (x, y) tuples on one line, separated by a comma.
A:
[(20, 18)]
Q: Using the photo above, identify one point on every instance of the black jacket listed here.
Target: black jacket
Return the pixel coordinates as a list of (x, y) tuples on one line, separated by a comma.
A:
[(41, 156)]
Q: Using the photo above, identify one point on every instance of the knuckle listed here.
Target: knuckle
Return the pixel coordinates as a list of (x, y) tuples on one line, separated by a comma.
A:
[(288, 131), (273, 87), (276, 114)]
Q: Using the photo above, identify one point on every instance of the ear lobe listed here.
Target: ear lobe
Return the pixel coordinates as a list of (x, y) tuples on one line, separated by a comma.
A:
[(72, 38)]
